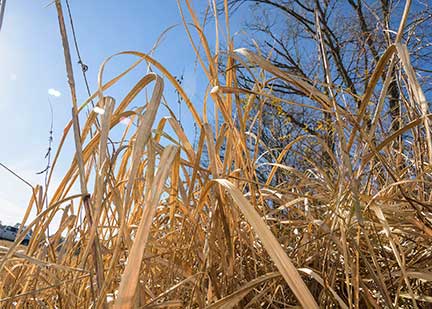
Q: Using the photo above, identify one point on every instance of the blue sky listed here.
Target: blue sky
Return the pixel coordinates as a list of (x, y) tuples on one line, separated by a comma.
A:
[(31, 62)]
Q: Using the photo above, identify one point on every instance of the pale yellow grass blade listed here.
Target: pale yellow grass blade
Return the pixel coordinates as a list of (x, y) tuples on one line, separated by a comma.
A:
[(269, 241), (131, 273)]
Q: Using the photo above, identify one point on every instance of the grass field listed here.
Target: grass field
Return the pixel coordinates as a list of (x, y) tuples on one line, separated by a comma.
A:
[(164, 222), (7, 243)]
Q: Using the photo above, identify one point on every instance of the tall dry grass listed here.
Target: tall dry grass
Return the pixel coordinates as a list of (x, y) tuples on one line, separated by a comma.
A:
[(162, 230)]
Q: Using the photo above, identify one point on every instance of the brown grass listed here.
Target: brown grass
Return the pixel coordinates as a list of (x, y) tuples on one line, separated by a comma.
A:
[(7, 244), (162, 230)]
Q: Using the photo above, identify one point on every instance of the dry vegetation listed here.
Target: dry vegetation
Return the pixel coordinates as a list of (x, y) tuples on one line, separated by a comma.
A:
[(161, 229), (7, 244)]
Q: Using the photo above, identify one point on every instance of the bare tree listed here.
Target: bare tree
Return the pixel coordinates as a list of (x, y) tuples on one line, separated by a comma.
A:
[(355, 34)]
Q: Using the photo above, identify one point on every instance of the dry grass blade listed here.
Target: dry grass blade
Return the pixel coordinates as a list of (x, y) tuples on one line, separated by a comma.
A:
[(130, 276), (233, 299), (278, 255), (399, 256), (321, 281)]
